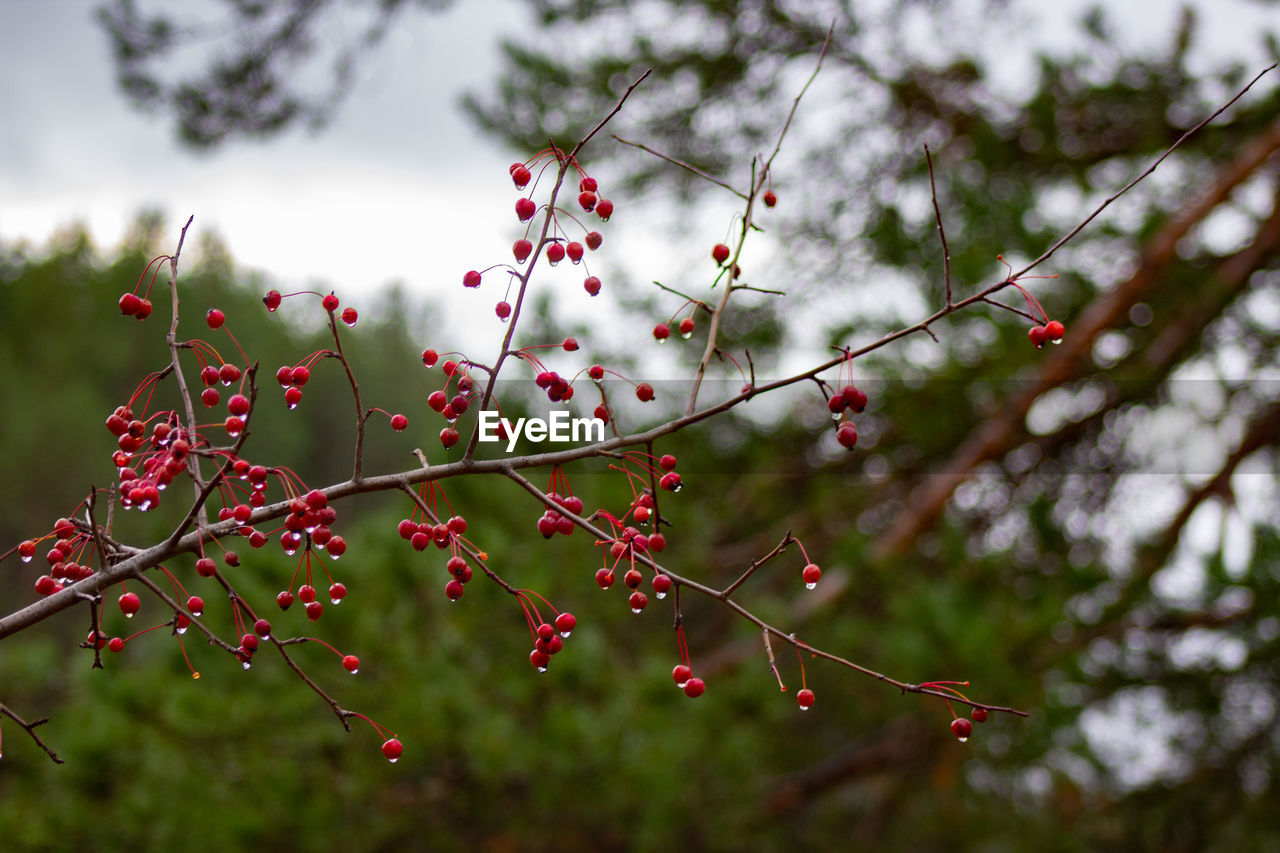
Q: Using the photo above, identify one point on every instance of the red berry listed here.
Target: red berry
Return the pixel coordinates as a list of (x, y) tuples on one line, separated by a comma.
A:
[(604, 578), (661, 583), (429, 357), (847, 435), (693, 688), (271, 300), (587, 184), (570, 345), (330, 302), (448, 437), (234, 426), (1054, 330), (667, 462), (503, 310), (520, 175), (521, 250), (681, 675), (116, 644), (437, 400), (979, 715), (215, 318), (144, 309), (661, 332), (565, 623), (805, 697), (262, 628), (238, 405), (593, 240), (195, 604), (539, 659), (587, 200), (210, 397), (555, 253), (1038, 336), (392, 748), (228, 373), (249, 642), (720, 253), (337, 592), (351, 664), (836, 404), (453, 589), (525, 209), (591, 285), (307, 593), (129, 304), (644, 392), (299, 375), (657, 542), (961, 728), (129, 603), (284, 376), (686, 327), (46, 585), (574, 251), (854, 398), (604, 209), (811, 574), (471, 279), (399, 422), (770, 199), (638, 601), (314, 610), (632, 578), (292, 397), (670, 481), (350, 316), (205, 567)]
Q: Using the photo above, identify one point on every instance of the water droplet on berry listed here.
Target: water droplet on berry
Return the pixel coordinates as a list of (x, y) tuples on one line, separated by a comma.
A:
[(26, 558), (335, 600), (245, 664), (962, 739), (661, 340), (686, 335), (542, 669), (128, 616), (811, 585), (660, 595), (565, 634), (677, 487), (181, 630)]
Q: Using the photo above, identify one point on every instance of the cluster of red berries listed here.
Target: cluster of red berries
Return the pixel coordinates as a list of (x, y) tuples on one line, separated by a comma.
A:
[(63, 558), (963, 729), (551, 522), (446, 535), (558, 247), (1051, 332), (684, 678), (850, 399), (549, 639), (449, 408), (132, 305)]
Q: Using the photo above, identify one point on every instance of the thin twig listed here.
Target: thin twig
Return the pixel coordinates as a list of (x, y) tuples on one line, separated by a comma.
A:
[(942, 232), (683, 165)]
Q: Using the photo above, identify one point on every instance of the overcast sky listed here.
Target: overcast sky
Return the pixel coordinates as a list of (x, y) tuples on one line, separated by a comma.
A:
[(398, 187)]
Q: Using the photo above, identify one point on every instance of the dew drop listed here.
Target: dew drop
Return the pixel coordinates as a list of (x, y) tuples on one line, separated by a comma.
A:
[(26, 559), (245, 664), (181, 630), (678, 487), (660, 595), (333, 556), (680, 685), (811, 585), (195, 675), (636, 609), (1057, 342), (662, 341), (565, 634), (290, 550), (962, 739), (292, 406), (836, 416), (686, 335), (144, 506), (357, 669), (804, 707), (335, 601), (128, 616), (542, 669), (392, 760)]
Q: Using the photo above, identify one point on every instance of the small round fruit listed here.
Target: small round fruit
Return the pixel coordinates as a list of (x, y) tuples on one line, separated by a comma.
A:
[(979, 715), (392, 750), (805, 699), (720, 253), (1038, 335), (770, 198), (681, 675), (215, 318), (351, 664), (961, 728), (694, 687)]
